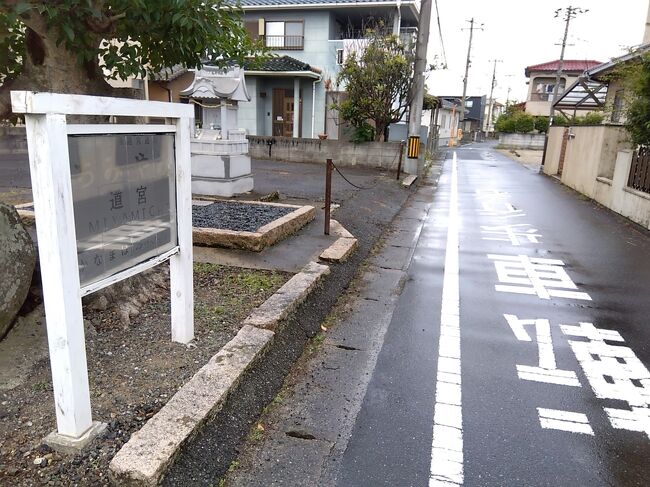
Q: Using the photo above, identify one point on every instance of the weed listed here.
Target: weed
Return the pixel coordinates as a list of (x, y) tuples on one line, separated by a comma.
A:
[(41, 386), (233, 466), (205, 267)]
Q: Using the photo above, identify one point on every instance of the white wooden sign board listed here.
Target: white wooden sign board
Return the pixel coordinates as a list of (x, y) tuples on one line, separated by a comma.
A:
[(54, 202)]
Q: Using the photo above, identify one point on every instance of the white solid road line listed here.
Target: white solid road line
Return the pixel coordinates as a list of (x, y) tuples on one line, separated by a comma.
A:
[(447, 448)]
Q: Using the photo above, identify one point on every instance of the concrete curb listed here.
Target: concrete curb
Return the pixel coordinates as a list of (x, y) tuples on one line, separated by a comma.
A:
[(288, 297), (342, 247), (143, 460), (264, 237)]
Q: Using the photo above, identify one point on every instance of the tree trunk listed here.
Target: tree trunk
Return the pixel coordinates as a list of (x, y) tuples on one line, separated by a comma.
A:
[(52, 68)]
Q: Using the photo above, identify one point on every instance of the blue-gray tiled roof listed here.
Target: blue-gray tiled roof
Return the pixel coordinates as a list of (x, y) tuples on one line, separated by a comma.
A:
[(282, 63)]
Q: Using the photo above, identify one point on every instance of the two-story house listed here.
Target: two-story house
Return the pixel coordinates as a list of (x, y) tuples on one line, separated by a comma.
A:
[(541, 82), (290, 93)]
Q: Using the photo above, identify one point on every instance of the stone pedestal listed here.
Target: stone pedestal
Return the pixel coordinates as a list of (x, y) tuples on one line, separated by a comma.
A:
[(221, 167)]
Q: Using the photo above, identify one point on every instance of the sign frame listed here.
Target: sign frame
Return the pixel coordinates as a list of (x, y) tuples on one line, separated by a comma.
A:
[(49, 161)]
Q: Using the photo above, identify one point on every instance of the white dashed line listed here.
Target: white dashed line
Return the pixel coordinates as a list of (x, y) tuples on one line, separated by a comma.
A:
[(447, 448)]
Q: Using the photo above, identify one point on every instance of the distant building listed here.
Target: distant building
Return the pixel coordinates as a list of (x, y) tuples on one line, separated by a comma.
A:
[(541, 82), (491, 116), (472, 125)]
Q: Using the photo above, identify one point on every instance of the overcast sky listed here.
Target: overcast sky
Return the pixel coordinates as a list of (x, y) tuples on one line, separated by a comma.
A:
[(522, 33)]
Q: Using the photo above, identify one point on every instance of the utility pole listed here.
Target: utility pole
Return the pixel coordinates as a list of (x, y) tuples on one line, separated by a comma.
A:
[(461, 118), (415, 110), (568, 13), (494, 82)]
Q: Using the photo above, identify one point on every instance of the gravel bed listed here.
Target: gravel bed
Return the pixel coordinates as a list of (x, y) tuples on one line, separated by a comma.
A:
[(226, 215)]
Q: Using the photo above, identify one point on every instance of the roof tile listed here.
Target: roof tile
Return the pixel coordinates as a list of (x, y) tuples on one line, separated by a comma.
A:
[(577, 65)]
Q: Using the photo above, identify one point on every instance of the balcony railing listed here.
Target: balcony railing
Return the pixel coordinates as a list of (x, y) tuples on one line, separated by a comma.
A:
[(541, 96), (289, 43)]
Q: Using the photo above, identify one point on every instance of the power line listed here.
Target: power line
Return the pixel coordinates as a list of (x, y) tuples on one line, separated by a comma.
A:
[(442, 42)]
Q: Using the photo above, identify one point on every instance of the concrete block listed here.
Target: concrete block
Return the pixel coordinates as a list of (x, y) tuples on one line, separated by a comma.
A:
[(71, 446), (144, 459)]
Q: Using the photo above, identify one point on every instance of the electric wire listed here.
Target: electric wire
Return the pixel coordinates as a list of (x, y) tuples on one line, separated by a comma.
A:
[(442, 42)]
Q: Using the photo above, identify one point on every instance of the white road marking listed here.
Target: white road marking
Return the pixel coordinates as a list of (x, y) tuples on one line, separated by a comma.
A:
[(564, 420), (447, 445), (547, 370), (513, 233), (556, 376), (613, 372), (525, 275)]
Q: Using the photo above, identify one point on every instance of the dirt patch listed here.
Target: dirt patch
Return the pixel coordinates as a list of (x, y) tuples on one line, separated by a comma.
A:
[(530, 159), (132, 371)]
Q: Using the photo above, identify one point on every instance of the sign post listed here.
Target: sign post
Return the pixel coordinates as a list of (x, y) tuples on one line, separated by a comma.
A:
[(110, 201)]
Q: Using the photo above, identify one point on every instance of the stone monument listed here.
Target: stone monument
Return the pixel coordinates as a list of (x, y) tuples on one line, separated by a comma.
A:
[(221, 165)]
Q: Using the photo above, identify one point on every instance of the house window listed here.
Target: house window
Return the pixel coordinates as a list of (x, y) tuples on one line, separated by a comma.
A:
[(339, 57), (617, 109), (285, 34), (469, 103)]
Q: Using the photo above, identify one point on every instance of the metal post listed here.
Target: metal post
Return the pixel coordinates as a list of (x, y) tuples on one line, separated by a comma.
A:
[(328, 194), (399, 164)]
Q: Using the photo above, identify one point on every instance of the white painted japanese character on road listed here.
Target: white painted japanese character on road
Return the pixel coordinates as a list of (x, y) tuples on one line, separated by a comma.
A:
[(515, 233), (614, 372), (545, 278)]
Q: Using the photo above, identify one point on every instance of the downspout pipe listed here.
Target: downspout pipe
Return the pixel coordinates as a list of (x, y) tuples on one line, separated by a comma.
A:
[(313, 105)]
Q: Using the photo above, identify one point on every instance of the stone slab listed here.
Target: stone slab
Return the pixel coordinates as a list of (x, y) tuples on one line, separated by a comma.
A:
[(339, 230), (288, 297), (409, 180), (143, 460), (340, 250)]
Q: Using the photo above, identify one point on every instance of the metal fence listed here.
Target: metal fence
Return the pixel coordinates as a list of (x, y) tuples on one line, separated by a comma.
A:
[(290, 43), (639, 177)]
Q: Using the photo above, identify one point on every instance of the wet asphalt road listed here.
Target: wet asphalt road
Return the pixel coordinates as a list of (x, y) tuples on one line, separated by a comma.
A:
[(540, 405)]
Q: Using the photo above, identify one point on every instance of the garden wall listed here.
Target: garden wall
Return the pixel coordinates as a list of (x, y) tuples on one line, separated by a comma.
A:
[(521, 141), (384, 155), (13, 140)]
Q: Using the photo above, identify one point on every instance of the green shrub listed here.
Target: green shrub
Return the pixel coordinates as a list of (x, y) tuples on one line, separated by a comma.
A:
[(505, 124), (541, 124), (364, 133), (515, 121), (524, 123)]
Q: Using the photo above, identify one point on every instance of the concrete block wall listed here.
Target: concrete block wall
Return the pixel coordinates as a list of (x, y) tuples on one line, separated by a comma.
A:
[(384, 155), (13, 140), (521, 141)]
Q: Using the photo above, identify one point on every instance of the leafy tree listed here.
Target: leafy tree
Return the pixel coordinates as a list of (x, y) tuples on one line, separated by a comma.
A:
[(378, 81), (637, 107), (69, 46), (429, 102)]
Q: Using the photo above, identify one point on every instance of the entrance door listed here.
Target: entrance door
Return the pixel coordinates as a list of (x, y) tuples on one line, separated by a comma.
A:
[(283, 109)]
